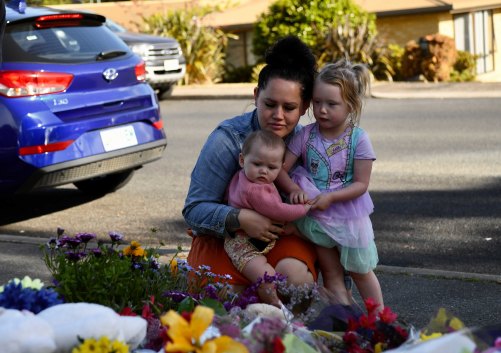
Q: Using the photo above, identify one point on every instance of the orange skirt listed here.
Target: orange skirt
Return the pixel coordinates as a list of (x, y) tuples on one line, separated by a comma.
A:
[(209, 251)]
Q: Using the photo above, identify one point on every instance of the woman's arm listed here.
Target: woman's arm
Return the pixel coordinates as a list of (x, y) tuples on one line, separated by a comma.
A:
[(362, 174), (204, 209)]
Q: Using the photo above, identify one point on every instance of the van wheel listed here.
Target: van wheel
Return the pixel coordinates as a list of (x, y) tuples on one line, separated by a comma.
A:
[(164, 92), (106, 183)]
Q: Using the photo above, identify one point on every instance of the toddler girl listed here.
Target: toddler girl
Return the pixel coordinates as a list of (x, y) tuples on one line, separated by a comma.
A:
[(336, 157)]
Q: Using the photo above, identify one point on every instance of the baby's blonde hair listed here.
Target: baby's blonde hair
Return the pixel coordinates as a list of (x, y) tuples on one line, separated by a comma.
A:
[(263, 137), (352, 79)]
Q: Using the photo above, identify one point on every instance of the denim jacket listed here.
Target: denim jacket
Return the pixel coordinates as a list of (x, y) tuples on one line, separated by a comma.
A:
[(205, 209)]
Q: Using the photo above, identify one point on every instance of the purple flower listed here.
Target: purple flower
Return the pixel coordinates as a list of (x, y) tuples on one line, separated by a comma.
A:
[(115, 237), (176, 296), (74, 255), (97, 252), (70, 242), (137, 266), (154, 264), (52, 243), (85, 237)]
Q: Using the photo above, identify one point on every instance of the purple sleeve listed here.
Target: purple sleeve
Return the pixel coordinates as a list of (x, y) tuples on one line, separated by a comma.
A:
[(364, 148)]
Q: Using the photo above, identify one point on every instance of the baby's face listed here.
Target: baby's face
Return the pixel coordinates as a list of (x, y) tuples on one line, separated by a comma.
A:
[(262, 164)]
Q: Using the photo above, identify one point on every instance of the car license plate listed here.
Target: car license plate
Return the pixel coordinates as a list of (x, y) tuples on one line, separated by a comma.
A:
[(170, 65), (119, 137)]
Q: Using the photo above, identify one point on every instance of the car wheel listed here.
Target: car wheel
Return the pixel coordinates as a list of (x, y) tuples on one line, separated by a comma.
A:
[(106, 183), (164, 92)]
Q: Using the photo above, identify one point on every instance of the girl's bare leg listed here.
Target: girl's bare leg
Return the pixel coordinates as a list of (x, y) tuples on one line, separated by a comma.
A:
[(368, 286), (333, 273), (255, 269)]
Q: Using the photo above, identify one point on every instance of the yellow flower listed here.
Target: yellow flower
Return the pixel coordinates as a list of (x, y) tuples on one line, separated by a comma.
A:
[(379, 347), (456, 324), (134, 249), (103, 345), (431, 336), (173, 266), (186, 335)]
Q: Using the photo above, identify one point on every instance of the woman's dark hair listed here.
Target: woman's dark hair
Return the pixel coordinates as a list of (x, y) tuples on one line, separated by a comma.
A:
[(290, 59)]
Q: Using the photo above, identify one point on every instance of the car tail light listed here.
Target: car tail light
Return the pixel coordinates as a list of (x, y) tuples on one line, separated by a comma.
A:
[(141, 71), (59, 20), (52, 147), (158, 124), (32, 83)]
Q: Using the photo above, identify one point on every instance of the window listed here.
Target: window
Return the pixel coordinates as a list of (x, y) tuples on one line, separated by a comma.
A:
[(474, 34)]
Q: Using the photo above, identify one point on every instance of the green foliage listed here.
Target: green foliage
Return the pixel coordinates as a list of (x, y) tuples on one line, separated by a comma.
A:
[(465, 67), (105, 275), (393, 54), (204, 47), (357, 43), (255, 72), (129, 277), (310, 20), (238, 74)]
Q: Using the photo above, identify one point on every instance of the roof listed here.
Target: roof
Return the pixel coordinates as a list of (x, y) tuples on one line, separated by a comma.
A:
[(246, 12)]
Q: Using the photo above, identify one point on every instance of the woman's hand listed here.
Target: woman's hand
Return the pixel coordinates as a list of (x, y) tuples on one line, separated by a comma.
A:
[(259, 227), (321, 202)]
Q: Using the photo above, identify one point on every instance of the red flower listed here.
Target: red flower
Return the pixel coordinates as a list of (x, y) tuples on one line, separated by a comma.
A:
[(186, 315), (127, 311), (387, 316), (350, 338), (368, 321), (147, 313), (371, 305), (402, 332), (278, 345), (353, 324)]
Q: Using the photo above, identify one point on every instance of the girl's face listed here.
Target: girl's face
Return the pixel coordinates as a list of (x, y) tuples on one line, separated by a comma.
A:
[(279, 106), (330, 110), (262, 164)]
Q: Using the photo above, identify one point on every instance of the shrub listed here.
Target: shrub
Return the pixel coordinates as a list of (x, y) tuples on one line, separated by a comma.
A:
[(238, 74), (465, 67), (358, 44), (204, 47), (433, 57), (394, 54)]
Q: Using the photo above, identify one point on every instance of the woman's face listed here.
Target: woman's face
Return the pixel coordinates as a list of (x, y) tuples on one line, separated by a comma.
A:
[(279, 106)]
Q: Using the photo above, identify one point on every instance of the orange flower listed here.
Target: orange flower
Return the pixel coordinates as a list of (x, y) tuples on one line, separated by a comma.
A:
[(134, 249)]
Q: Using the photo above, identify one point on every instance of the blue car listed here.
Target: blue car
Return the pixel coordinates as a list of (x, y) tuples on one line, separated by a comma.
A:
[(74, 104)]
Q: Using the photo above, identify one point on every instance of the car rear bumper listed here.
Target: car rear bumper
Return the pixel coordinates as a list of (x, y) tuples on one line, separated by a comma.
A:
[(94, 166), (157, 76)]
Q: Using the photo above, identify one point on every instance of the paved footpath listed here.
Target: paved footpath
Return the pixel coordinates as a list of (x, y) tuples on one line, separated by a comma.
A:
[(388, 90)]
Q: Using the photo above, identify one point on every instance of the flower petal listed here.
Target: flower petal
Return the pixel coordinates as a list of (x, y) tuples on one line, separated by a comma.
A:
[(200, 321), (226, 344)]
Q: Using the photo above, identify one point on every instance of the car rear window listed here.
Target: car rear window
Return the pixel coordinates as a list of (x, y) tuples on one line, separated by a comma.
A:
[(24, 42)]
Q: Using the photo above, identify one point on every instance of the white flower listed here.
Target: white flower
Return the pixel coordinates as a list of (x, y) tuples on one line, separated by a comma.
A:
[(26, 282)]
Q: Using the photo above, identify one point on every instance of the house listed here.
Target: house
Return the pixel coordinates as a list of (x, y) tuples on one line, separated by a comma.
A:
[(475, 25)]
